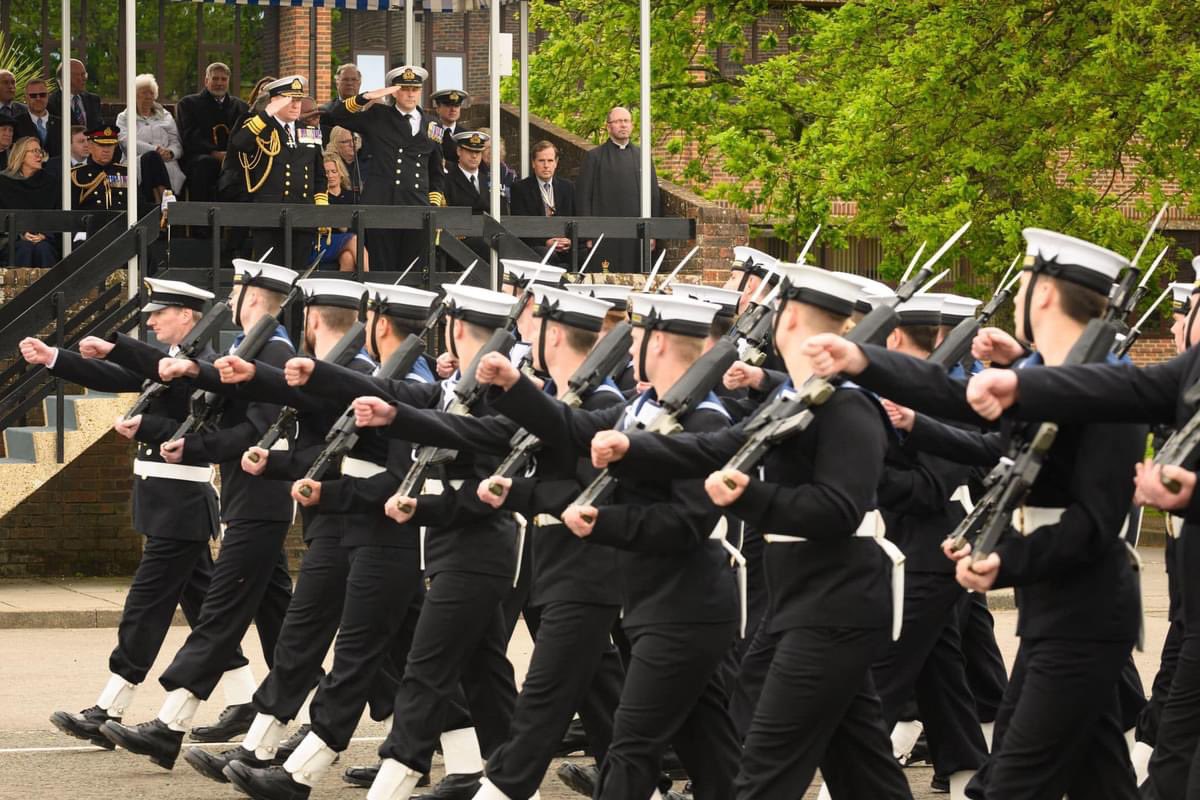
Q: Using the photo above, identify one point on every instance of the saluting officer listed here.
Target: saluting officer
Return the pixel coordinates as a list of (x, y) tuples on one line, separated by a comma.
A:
[(99, 183), (281, 162), (402, 149), (174, 507)]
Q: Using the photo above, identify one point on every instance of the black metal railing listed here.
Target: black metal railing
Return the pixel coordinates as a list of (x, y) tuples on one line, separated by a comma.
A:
[(15, 222)]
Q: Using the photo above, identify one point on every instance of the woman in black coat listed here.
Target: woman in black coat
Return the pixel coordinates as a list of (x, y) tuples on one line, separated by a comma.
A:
[(25, 185)]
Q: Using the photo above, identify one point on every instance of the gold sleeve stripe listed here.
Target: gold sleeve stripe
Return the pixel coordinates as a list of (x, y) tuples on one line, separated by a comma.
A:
[(352, 104), (437, 199), (255, 125), (321, 199)]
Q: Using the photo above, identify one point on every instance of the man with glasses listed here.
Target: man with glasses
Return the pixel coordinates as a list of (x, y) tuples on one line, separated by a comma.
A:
[(85, 106), (36, 119)]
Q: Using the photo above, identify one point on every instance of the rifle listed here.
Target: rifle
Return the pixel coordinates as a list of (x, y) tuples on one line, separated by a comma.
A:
[(467, 392), (1182, 443), (687, 393), (1011, 479), (342, 353), (595, 370), (957, 343), (207, 406), (190, 347)]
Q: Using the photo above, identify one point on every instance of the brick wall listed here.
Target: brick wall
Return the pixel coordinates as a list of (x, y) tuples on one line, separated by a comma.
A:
[(295, 42), (1152, 351)]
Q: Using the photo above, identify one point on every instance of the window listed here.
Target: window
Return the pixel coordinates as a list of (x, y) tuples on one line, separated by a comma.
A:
[(448, 73)]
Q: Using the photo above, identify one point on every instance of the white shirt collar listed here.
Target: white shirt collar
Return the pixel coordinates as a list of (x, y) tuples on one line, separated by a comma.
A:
[(621, 146), (44, 115), (474, 174)]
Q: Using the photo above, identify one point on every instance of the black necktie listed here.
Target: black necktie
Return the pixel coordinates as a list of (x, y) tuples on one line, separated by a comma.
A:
[(473, 184), (407, 122)]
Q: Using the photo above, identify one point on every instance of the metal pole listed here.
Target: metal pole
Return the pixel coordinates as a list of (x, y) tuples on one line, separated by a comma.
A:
[(524, 88), (131, 159), (494, 108), (644, 46), (410, 17), (64, 88)]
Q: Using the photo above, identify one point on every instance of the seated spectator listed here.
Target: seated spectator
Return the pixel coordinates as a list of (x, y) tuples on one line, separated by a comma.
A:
[(545, 194), (346, 145), (8, 92), (53, 166), (25, 185), (205, 121), (342, 247), (37, 121), (507, 176), (158, 144), (6, 136)]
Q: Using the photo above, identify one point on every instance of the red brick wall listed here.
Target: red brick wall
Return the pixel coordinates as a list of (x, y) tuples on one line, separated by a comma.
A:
[(1152, 351), (295, 42)]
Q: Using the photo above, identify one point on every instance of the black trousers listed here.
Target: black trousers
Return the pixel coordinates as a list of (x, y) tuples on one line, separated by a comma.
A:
[(819, 708), (459, 635), (1148, 720), (395, 249), (927, 662), (308, 629), (1059, 731), (672, 696), (1175, 764), (382, 593), (202, 172), (1131, 695), (752, 674), (250, 583), (172, 572), (571, 641), (986, 672)]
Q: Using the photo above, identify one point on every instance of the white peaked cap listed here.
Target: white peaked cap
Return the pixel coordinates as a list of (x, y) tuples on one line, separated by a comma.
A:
[(260, 273), (520, 272), (956, 307), (570, 308), (821, 288), (743, 253), (479, 306), (921, 309), (163, 293), (406, 302), (672, 313), (873, 291), (727, 299), (332, 292), (1071, 259), (615, 293), (1181, 296)]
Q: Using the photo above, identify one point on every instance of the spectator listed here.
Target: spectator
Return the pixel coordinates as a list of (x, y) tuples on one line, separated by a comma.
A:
[(342, 247), (345, 144), (158, 144), (6, 136), (8, 93), (544, 194), (53, 165), (99, 183), (205, 122), (348, 82), (85, 106), (610, 185), (25, 185), (36, 119), (507, 176), (467, 183), (448, 104)]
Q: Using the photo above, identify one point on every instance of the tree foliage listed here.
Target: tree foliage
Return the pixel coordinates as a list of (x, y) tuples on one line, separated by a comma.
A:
[(1051, 113)]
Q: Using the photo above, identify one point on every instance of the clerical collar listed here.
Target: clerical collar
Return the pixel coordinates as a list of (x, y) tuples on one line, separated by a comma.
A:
[(620, 146)]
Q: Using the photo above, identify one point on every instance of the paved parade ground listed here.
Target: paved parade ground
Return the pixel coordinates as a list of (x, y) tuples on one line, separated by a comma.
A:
[(47, 668)]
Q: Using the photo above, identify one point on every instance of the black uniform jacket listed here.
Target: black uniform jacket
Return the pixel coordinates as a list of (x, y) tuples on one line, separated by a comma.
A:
[(671, 571), (817, 485), (162, 507), (241, 424), (103, 187), (1073, 578), (457, 541), (274, 171)]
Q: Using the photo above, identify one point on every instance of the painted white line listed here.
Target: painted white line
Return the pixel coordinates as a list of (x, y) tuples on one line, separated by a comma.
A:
[(84, 748)]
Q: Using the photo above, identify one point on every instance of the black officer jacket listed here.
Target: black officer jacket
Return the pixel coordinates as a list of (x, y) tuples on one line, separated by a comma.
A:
[(162, 507), (99, 187), (205, 125), (670, 570), (1073, 579), (817, 485), (400, 168), (459, 191), (242, 423), (455, 541), (274, 172)]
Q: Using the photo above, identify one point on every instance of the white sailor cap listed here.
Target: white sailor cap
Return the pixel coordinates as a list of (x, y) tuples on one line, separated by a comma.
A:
[(873, 292), (1067, 258), (1181, 296), (163, 293), (615, 293), (753, 261), (271, 277), (407, 75), (337, 292), (956, 308), (725, 299), (519, 273), (671, 313), (921, 309), (827, 290), (569, 308), (478, 306), (402, 302), (291, 86)]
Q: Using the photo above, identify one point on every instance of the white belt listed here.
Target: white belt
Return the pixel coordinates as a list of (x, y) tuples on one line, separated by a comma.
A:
[(520, 520), (871, 527), (435, 487), (1174, 526), (360, 468), (1027, 519), (280, 444), (175, 472), (546, 520), (962, 496), (719, 532)]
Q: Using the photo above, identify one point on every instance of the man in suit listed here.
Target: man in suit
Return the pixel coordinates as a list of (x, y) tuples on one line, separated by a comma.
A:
[(85, 106), (205, 122), (36, 119), (8, 94), (545, 194), (348, 80)]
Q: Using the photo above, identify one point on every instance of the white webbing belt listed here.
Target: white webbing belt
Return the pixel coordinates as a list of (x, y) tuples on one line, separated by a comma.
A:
[(720, 532), (546, 520), (175, 472), (1174, 526), (280, 444), (360, 468), (871, 527), (435, 487), (1027, 519), (962, 496), (521, 523)]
